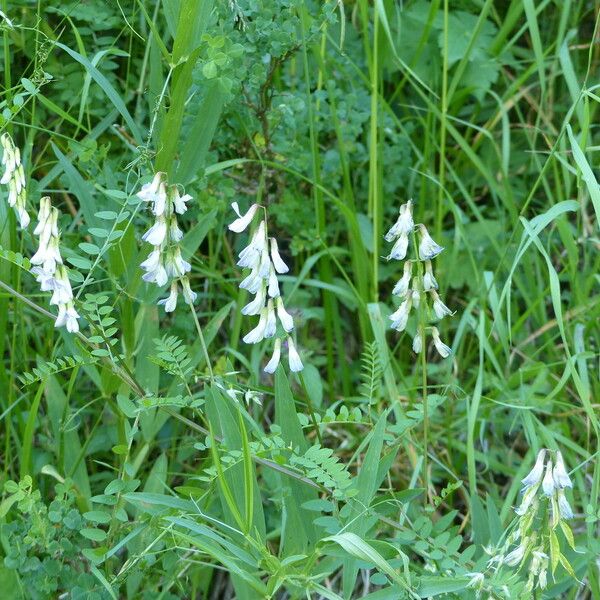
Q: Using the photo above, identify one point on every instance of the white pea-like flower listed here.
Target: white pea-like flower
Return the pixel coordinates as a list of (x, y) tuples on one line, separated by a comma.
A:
[(293, 357), (399, 318), (560, 475), (278, 263), (165, 262), (401, 287), (417, 344), (170, 302), (566, 512), (535, 475), (262, 257), (254, 306), (399, 249), (242, 222), (286, 320), (179, 202), (188, 295), (443, 350), (271, 326), (157, 233), (529, 495), (516, 556), (439, 308), (272, 365), (429, 281), (403, 225), (67, 316), (428, 249), (258, 333), (548, 481), (14, 178)]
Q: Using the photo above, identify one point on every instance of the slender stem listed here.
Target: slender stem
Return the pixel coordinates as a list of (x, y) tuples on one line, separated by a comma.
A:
[(425, 411), (202, 342), (311, 410)]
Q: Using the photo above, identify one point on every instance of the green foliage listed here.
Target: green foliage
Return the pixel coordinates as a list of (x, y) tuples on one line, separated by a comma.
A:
[(150, 456)]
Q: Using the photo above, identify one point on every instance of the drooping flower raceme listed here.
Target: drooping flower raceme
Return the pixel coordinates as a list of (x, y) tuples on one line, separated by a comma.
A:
[(165, 262), (413, 289), (542, 509), (262, 257), (14, 178), (49, 269)]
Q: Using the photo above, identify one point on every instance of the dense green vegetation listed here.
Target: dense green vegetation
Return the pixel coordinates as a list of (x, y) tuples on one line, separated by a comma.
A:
[(145, 451)]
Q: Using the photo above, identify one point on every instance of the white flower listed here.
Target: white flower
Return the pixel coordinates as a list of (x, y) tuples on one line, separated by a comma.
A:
[(157, 233), (254, 307), (155, 271), (62, 287), (271, 325), (560, 475), (404, 224), (476, 580), (439, 308), (149, 191), (67, 315), (242, 221), (175, 265), (417, 344), (278, 263), (272, 365), (273, 284), (416, 296), (188, 295), (175, 233), (14, 177), (44, 278), (399, 249), (170, 302), (535, 475), (252, 282), (528, 498), (250, 255), (563, 505), (44, 217), (399, 318), (427, 247), (264, 266), (401, 288), (293, 357), (287, 321), (548, 481), (179, 201), (257, 334), (429, 282), (516, 556), (443, 350)]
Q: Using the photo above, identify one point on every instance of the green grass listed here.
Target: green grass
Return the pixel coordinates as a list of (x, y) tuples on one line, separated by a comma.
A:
[(149, 456)]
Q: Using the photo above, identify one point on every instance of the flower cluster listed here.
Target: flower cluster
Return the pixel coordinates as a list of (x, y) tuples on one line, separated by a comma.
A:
[(420, 287), (49, 269), (262, 257), (534, 537), (14, 178), (165, 262)]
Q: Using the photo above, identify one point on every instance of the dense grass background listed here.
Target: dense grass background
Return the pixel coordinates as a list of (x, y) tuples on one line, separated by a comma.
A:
[(140, 476)]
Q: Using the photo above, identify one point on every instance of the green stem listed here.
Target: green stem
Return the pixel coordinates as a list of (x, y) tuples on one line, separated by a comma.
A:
[(311, 410), (202, 342)]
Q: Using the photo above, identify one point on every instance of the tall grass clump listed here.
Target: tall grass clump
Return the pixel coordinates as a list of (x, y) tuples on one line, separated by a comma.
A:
[(238, 361)]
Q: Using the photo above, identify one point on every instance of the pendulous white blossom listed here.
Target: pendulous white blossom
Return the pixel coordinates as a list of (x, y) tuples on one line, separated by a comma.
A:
[(439, 308), (14, 178), (399, 318), (548, 481), (272, 365), (404, 224), (165, 262), (262, 257), (401, 288), (566, 512), (443, 350), (293, 357), (417, 344), (535, 475), (429, 281), (399, 249), (428, 249), (48, 267), (559, 474)]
